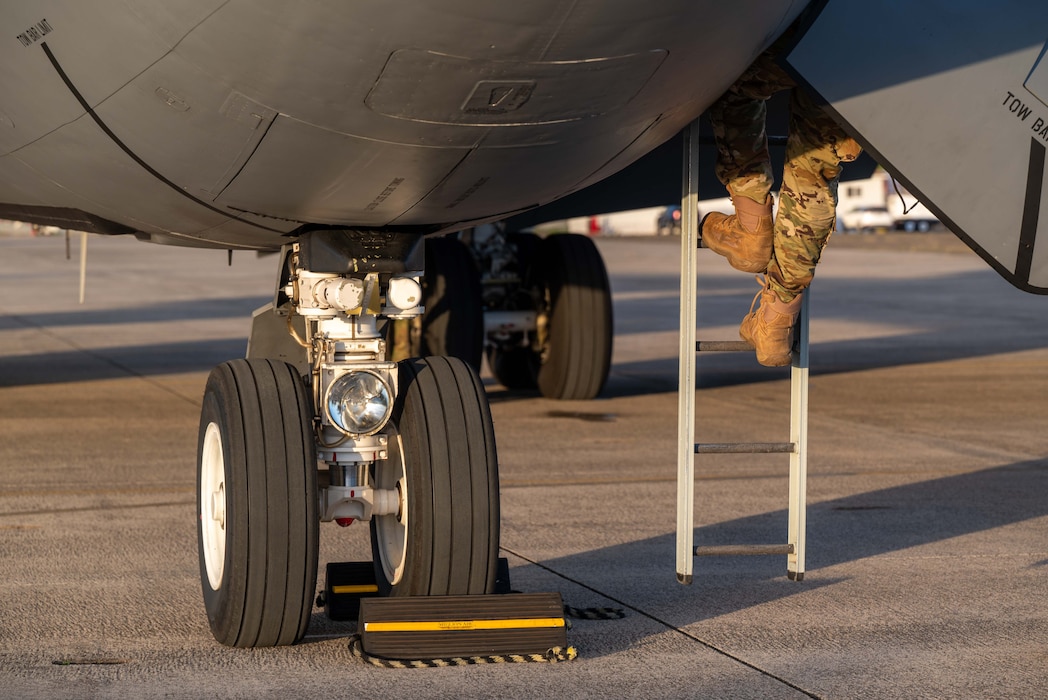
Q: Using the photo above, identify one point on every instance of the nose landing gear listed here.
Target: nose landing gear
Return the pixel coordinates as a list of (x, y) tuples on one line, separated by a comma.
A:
[(284, 444)]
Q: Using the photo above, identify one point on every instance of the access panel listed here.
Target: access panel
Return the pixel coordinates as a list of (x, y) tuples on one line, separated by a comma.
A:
[(952, 98)]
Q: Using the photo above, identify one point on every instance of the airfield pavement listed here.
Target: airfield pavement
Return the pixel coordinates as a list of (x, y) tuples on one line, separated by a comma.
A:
[(927, 561)]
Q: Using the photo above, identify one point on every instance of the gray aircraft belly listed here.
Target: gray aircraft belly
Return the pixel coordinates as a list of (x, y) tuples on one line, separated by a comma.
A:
[(236, 123), (953, 99)]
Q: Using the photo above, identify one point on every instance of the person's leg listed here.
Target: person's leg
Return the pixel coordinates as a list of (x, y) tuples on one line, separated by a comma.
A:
[(744, 167), (807, 213), (808, 198)]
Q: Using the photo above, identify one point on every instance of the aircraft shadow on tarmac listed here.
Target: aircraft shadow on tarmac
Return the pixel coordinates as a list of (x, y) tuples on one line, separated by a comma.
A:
[(85, 363), (840, 531), (951, 317), (724, 298), (237, 308), (118, 363)]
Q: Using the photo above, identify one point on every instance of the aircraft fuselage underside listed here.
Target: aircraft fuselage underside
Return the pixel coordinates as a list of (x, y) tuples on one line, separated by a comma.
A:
[(238, 124)]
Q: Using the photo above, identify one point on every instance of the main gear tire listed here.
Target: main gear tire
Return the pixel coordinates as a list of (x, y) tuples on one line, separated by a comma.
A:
[(515, 368), (576, 354)]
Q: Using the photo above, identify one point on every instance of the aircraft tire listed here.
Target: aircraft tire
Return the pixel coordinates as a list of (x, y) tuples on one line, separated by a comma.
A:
[(258, 529), (576, 356), (444, 540), (453, 321), (514, 368)]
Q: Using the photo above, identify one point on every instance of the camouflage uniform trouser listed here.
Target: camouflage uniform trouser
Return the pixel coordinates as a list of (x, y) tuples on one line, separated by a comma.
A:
[(815, 149)]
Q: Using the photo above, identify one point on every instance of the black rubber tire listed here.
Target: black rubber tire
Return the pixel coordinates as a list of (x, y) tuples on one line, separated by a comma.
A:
[(444, 457), (453, 321), (514, 368), (263, 416), (577, 355)]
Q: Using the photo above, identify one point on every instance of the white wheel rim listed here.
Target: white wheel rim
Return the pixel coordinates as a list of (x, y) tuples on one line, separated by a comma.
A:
[(392, 530), (213, 505)]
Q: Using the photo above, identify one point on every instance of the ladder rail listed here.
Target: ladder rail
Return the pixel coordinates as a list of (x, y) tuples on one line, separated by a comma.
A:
[(686, 365), (798, 525)]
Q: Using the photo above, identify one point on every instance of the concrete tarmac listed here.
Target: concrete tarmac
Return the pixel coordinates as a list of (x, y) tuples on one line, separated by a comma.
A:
[(927, 562)]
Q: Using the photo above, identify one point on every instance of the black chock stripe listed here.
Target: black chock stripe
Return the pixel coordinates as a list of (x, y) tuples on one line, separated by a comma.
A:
[(1031, 212), (124, 147)]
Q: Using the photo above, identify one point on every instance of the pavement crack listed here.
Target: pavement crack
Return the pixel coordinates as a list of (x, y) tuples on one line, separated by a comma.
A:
[(87, 509), (93, 661)]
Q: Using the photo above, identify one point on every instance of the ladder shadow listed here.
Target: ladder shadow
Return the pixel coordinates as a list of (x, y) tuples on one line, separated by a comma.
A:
[(840, 531)]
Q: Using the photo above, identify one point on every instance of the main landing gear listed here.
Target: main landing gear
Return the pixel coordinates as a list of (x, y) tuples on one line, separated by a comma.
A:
[(317, 426), (544, 305)]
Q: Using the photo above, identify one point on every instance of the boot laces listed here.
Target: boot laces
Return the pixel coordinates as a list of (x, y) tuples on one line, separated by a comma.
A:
[(763, 282)]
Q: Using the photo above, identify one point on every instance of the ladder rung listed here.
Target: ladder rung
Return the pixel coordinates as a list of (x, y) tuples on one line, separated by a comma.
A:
[(723, 346), (727, 448), (742, 549)]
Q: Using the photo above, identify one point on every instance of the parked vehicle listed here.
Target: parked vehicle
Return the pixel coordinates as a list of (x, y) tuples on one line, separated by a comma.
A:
[(915, 224), (867, 219), (39, 230)]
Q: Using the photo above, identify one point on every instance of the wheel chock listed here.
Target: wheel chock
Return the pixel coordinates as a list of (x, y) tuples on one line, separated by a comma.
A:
[(442, 627), (345, 584)]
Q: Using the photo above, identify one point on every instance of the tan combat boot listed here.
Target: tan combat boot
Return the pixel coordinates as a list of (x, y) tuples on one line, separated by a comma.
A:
[(769, 329), (744, 237)]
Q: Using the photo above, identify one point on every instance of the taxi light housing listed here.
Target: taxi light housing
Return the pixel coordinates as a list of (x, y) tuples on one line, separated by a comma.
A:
[(359, 402)]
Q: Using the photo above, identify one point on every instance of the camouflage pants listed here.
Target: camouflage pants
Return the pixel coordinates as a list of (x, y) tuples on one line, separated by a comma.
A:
[(815, 149)]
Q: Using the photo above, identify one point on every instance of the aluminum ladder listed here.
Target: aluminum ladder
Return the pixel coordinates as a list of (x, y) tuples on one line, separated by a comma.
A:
[(687, 448)]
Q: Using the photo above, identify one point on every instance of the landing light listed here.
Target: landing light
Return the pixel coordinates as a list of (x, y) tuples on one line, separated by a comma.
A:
[(359, 402)]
